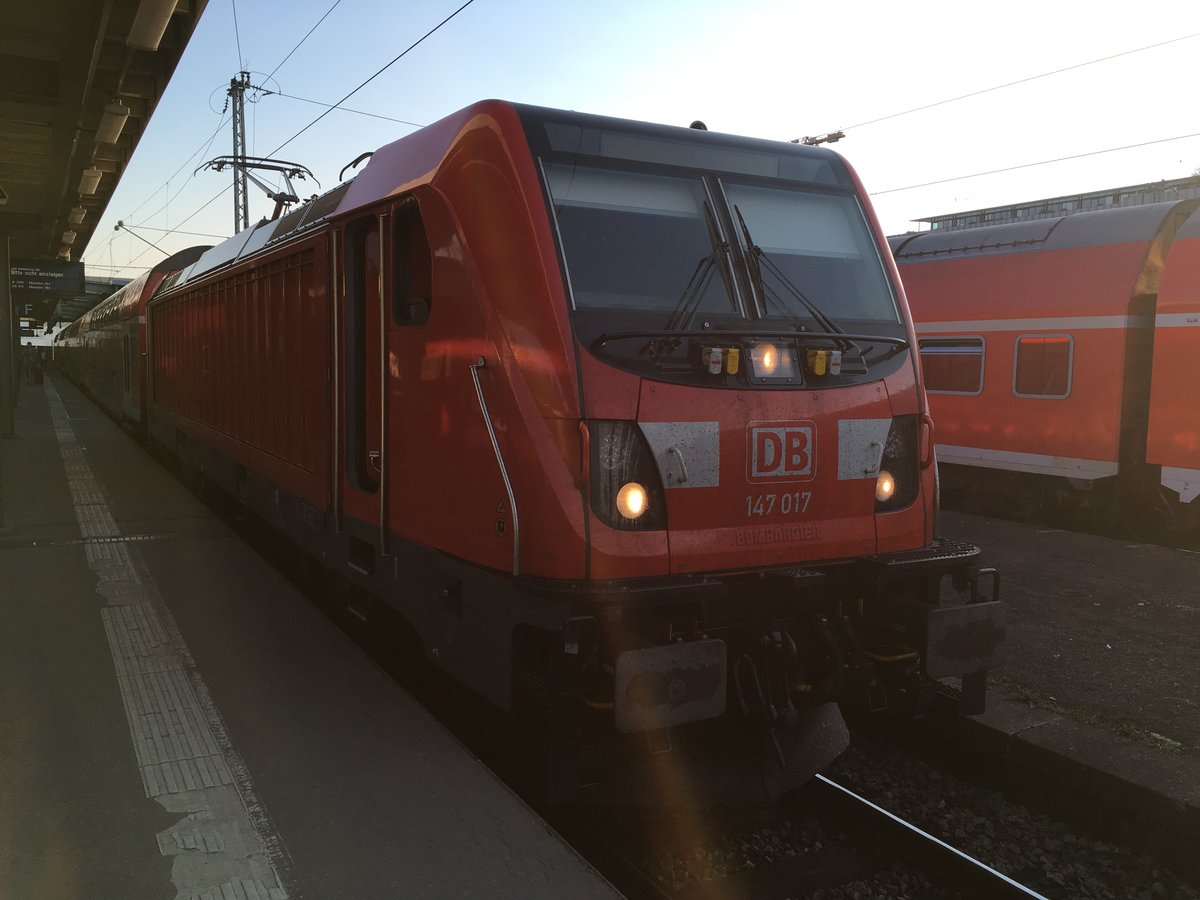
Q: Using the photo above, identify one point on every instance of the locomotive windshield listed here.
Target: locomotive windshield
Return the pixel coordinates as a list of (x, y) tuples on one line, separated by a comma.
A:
[(664, 231), (813, 246), (638, 241)]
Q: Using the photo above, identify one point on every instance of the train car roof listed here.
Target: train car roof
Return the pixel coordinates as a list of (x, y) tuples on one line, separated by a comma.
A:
[(1190, 228), (1122, 225)]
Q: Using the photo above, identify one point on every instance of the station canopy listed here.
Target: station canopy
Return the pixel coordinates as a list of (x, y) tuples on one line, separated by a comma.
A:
[(78, 82)]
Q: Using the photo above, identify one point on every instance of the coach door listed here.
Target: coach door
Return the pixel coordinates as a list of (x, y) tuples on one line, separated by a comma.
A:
[(129, 398), (363, 450)]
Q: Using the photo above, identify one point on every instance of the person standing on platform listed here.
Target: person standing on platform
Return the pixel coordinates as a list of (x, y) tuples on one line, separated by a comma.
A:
[(26, 361)]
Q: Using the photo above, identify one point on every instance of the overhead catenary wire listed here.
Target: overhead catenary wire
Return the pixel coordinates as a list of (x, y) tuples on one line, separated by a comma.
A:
[(331, 106), (395, 60), (384, 68), (237, 36), (203, 149), (1030, 165), (122, 226), (1026, 80), (204, 234), (302, 40)]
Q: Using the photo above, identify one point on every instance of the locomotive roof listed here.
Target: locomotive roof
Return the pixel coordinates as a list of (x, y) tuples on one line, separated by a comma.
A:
[(414, 159), (1108, 226)]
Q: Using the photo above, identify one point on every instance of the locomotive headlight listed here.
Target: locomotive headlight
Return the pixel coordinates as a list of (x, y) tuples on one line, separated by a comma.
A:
[(773, 363), (766, 359), (632, 500), (899, 479), (624, 483), (885, 486)]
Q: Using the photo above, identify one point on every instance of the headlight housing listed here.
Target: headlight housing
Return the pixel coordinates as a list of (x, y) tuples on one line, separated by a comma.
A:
[(626, 488), (899, 479), (772, 363)]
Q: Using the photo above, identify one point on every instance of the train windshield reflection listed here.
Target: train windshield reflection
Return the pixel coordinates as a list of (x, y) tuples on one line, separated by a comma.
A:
[(657, 243), (818, 249), (640, 241)]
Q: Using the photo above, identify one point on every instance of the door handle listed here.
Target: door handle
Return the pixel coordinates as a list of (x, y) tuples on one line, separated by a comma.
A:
[(375, 456)]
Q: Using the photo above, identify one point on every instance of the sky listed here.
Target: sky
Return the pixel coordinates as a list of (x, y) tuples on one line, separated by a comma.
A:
[(777, 70)]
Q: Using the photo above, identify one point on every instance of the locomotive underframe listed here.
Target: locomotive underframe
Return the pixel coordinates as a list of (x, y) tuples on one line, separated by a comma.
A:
[(617, 673), (766, 660)]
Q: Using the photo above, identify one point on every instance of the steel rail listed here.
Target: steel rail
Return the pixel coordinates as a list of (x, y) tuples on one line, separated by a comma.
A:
[(982, 877)]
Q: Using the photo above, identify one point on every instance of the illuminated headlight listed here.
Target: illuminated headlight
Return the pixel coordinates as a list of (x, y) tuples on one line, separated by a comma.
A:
[(885, 487), (626, 488), (632, 500), (773, 362), (899, 479)]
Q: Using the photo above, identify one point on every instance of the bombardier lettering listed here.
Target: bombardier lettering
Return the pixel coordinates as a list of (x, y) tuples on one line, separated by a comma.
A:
[(781, 534)]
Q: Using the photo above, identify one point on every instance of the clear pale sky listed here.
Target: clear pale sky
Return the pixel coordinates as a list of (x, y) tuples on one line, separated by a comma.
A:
[(762, 68)]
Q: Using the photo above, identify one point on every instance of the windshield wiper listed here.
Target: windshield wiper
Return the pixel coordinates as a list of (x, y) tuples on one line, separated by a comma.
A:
[(694, 290), (756, 258), (693, 293)]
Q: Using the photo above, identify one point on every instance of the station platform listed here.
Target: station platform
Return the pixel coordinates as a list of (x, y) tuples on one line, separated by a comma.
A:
[(1097, 705), (177, 721)]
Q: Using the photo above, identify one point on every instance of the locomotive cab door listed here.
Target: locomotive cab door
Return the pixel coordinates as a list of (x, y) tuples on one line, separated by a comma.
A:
[(362, 400)]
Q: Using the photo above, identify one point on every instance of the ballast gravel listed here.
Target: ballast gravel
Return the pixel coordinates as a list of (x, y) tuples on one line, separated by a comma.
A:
[(1033, 849)]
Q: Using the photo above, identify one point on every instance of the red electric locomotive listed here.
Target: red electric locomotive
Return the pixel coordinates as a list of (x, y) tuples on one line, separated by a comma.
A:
[(624, 419), (1049, 346)]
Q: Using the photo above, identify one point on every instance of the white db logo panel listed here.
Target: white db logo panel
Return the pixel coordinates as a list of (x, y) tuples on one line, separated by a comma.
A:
[(781, 451)]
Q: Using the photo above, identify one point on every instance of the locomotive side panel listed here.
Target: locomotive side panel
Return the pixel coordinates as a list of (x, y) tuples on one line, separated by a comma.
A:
[(258, 394), (413, 443), (508, 267)]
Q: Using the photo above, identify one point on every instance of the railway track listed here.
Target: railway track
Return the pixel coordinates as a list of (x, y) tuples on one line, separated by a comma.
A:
[(929, 854), (827, 842), (824, 843)]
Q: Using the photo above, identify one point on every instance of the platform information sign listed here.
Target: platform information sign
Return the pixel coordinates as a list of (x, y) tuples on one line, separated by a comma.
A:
[(62, 279)]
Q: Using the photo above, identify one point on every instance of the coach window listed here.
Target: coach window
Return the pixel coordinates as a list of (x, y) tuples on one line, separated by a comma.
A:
[(412, 268), (1042, 365), (952, 365)]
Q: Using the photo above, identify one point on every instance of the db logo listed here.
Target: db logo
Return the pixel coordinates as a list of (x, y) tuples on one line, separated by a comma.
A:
[(781, 451)]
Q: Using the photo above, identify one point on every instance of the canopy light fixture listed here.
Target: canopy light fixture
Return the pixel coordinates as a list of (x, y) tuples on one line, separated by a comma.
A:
[(111, 122), (68, 237), (75, 216), (150, 24), (90, 180), (64, 253)]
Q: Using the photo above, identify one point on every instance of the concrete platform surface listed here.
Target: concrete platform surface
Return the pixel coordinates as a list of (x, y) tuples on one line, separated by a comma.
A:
[(176, 721)]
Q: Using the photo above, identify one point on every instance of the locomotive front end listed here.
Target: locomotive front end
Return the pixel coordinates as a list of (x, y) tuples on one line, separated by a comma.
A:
[(757, 458)]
